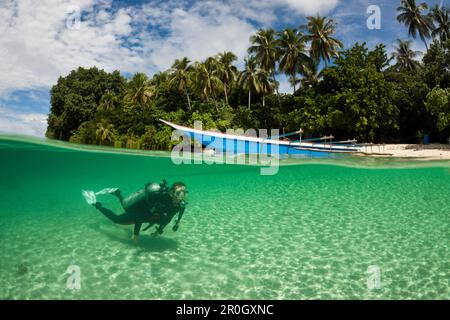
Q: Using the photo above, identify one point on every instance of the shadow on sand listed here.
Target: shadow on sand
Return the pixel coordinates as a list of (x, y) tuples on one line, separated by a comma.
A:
[(146, 242)]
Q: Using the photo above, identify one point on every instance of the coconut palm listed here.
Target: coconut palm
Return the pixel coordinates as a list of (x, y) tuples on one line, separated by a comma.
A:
[(442, 23), (160, 78), (207, 81), (140, 90), (107, 101), (227, 72), (250, 77), (320, 31), (105, 133), (265, 50), (404, 56), (292, 53), (411, 15), (266, 85), (311, 74), (181, 76)]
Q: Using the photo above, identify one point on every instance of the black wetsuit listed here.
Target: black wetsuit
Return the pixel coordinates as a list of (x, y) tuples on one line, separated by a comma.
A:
[(157, 209)]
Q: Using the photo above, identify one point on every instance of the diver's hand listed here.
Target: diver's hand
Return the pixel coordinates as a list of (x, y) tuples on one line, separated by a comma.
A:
[(155, 234), (158, 231), (175, 228), (135, 237)]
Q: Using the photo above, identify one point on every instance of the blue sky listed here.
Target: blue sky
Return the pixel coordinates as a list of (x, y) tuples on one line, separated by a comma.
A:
[(40, 42)]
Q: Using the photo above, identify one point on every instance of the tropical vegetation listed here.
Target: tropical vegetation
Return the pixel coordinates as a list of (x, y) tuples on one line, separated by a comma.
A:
[(355, 92)]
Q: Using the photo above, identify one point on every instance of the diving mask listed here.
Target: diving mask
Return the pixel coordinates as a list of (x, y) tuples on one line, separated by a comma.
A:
[(180, 193)]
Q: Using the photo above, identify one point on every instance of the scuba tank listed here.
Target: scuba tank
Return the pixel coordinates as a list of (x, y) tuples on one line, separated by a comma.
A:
[(138, 198)]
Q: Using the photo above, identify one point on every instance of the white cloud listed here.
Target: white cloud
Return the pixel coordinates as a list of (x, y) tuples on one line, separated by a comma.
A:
[(28, 123), (311, 7), (36, 46), (121, 23), (197, 37)]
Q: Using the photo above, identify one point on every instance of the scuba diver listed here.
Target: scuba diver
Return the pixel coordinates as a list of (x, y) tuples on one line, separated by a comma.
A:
[(156, 204)]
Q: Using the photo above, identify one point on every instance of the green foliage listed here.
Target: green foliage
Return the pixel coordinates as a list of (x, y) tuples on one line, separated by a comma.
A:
[(379, 58), (148, 138), (163, 139), (308, 116), (437, 65), (438, 104), (169, 98), (409, 95), (360, 100), (75, 99), (85, 134), (205, 118), (105, 134)]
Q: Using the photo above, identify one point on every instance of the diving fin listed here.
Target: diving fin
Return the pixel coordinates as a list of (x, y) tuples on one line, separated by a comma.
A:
[(107, 191), (89, 196)]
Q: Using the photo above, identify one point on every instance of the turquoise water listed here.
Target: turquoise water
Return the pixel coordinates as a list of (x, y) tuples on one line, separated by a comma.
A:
[(315, 230)]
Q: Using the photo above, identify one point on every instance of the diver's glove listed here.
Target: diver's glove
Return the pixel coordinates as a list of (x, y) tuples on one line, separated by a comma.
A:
[(175, 228), (159, 230)]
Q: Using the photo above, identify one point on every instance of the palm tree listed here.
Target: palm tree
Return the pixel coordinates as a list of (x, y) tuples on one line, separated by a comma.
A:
[(291, 53), (140, 90), (160, 78), (250, 77), (410, 14), (206, 80), (105, 133), (442, 28), (320, 34), (265, 49), (404, 56), (266, 85), (227, 72), (107, 101), (181, 76), (311, 74)]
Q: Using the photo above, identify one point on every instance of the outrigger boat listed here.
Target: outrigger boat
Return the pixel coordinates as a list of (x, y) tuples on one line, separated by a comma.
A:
[(241, 144)]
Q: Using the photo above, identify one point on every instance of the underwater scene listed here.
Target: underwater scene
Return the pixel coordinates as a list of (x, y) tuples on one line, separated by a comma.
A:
[(350, 228)]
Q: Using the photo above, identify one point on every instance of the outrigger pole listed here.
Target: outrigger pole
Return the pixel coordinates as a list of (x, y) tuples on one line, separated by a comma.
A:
[(318, 139), (286, 134), (314, 139), (345, 142)]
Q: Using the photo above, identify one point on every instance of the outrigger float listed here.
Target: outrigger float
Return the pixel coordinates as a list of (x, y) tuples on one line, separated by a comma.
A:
[(241, 144)]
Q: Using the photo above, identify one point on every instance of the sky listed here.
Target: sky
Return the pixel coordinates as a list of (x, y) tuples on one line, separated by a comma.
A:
[(43, 40)]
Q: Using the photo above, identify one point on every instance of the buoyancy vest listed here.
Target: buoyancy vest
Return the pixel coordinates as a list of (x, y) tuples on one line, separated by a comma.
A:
[(139, 199)]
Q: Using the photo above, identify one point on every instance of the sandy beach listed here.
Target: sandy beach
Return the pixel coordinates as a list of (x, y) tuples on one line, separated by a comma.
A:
[(419, 151)]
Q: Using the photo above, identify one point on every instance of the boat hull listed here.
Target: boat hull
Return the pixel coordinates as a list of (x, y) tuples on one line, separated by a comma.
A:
[(237, 147), (231, 144)]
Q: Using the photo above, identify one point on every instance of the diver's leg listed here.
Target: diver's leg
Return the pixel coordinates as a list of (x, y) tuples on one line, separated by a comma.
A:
[(120, 219), (119, 196)]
